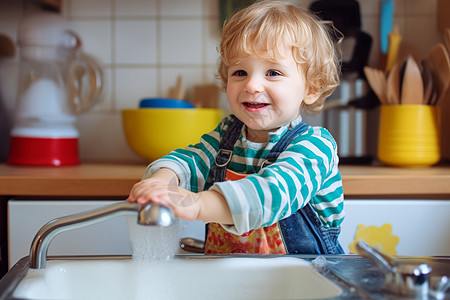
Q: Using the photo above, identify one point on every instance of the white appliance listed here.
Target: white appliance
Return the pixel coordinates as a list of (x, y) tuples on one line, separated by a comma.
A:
[(26, 217), (56, 81)]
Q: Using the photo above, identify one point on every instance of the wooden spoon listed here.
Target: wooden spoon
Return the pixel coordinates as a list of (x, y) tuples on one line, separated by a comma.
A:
[(412, 84), (377, 82), (393, 85), (439, 63)]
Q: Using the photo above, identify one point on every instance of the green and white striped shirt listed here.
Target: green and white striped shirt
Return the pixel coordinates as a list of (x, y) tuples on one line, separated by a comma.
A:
[(307, 171)]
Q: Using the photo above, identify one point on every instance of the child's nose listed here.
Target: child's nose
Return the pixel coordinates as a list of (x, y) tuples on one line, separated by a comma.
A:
[(254, 84)]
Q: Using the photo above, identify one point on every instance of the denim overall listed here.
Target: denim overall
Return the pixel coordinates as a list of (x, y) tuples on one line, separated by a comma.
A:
[(303, 232)]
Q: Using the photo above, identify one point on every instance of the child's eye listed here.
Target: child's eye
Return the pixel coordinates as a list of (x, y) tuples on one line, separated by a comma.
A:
[(240, 73), (273, 73)]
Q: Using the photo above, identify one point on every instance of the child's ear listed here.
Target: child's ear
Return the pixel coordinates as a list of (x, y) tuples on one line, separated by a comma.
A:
[(312, 95)]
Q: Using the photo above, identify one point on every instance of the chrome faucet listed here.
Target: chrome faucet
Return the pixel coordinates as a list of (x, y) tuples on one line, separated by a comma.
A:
[(405, 278), (149, 214)]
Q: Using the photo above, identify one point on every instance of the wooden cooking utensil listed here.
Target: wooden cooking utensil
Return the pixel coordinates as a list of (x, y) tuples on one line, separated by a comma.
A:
[(393, 85), (206, 95), (177, 91), (377, 82), (427, 83), (412, 84), (439, 63)]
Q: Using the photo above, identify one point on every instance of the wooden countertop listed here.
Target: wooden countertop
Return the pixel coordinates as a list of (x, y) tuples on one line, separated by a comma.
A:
[(116, 180), (81, 180)]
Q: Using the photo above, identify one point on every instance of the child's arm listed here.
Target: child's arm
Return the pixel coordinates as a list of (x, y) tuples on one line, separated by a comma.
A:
[(162, 187)]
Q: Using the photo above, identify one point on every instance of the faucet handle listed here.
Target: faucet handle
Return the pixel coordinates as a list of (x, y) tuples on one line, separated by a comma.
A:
[(400, 278), (380, 259)]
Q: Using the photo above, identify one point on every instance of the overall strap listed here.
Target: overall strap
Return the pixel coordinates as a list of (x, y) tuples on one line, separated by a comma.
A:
[(284, 142), (219, 168), (226, 147)]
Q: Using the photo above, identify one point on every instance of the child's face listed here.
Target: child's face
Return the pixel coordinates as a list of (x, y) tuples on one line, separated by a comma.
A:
[(266, 94)]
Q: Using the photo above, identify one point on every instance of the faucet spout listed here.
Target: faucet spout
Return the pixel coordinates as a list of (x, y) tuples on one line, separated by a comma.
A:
[(155, 215), (149, 214)]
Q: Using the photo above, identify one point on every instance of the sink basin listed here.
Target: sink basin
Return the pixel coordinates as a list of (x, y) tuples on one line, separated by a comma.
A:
[(209, 277), (185, 277)]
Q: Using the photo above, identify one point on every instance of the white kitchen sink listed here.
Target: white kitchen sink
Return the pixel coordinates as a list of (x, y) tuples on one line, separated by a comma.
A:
[(185, 277)]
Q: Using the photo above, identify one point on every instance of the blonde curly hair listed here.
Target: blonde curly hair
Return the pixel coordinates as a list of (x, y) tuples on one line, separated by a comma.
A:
[(262, 27)]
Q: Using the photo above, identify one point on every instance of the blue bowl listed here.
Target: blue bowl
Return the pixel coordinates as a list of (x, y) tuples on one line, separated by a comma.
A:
[(164, 103)]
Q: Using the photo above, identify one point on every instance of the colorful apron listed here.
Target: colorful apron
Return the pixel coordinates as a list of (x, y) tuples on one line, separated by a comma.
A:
[(266, 240)]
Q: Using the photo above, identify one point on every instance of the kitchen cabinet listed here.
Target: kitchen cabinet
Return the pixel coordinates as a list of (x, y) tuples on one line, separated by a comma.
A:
[(414, 201), (411, 227)]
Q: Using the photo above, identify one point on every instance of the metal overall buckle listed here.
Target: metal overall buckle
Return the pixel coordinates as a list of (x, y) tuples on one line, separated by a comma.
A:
[(226, 152)]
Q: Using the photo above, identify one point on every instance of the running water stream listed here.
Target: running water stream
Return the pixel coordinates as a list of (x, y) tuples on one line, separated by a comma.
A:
[(153, 251)]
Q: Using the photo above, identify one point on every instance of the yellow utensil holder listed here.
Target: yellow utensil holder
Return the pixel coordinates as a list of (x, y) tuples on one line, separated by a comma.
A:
[(409, 135)]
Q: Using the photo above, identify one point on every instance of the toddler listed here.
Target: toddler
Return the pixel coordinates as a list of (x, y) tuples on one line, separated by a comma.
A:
[(263, 181)]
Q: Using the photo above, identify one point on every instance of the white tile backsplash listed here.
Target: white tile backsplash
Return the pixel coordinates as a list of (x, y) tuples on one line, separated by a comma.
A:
[(182, 8), (211, 40), (96, 38), (211, 75), (145, 44), (135, 42), (106, 102), (135, 8), (102, 139), (211, 8), (89, 8), (181, 41), (133, 84)]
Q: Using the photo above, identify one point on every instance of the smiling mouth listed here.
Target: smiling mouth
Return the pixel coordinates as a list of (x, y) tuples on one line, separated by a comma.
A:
[(255, 105)]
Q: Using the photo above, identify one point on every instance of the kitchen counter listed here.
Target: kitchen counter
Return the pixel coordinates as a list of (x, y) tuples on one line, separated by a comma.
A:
[(116, 180)]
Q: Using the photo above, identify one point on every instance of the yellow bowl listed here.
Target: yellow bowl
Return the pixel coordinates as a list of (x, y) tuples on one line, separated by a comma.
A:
[(154, 132)]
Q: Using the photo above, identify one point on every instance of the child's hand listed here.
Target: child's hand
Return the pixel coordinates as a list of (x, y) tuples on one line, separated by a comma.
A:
[(156, 189), (162, 188)]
